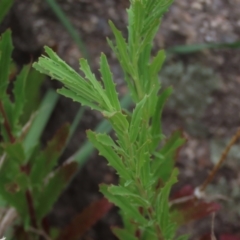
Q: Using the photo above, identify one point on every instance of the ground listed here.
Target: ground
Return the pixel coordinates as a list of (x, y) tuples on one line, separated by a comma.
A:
[(187, 22)]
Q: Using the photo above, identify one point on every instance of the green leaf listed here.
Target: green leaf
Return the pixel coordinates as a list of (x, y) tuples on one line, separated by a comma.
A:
[(120, 124), (107, 151), (109, 83), (163, 214), (124, 205), (134, 198), (19, 93), (6, 48), (157, 63), (53, 188), (47, 159), (76, 98), (156, 129), (164, 163), (15, 152), (5, 6), (175, 141), (122, 48), (139, 114), (95, 83), (32, 94), (123, 234)]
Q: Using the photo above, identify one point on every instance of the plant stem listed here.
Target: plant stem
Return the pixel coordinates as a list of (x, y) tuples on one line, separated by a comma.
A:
[(6, 123), (221, 160), (31, 208)]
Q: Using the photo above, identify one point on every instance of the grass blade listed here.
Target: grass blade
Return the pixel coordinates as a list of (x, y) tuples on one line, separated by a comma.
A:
[(40, 122)]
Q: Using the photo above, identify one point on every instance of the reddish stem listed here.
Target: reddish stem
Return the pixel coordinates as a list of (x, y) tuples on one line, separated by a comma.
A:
[(221, 160), (31, 209), (6, 123)]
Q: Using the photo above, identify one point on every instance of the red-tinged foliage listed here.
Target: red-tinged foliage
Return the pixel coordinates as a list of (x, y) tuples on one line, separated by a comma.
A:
[(221, 237), (191, 208), (85, 220), (229, 237), (206, 237)]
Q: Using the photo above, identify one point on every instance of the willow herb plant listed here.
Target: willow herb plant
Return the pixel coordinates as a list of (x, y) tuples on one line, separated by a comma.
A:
[(142, 157)]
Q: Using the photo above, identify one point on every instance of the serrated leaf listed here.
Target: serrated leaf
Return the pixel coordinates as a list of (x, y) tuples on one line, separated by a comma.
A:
[(6, 48), (58, 69), (107, 151), (156, 129), (157, 63), (124, 205), (95, 83), (163, 214), (53, 188), (175, 141), (120, 124), (137, 118), (109, 83), (123, 191), (122, 48), (85, 220), (162, 167), (76, 98)]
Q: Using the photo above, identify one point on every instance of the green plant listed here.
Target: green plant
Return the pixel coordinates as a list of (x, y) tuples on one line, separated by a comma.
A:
[(30, 178), (145, 169)]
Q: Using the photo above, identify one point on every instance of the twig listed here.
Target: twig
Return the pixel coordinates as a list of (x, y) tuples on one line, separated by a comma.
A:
[(6, 123), (221, 160), (213, 237)]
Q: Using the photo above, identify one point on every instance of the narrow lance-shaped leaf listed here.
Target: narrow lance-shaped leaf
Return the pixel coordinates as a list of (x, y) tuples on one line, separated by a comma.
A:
[(95, 83), (133, 197), (137, 118), (162, 167), (107, 151), (156, 130), (109, 83), (47, 159), (76, 98), (157, 63), (19, 93), (15, 152), (55, 185), (163, 214), (85, 220), (120, 125), (124, 204), (122, 48)]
